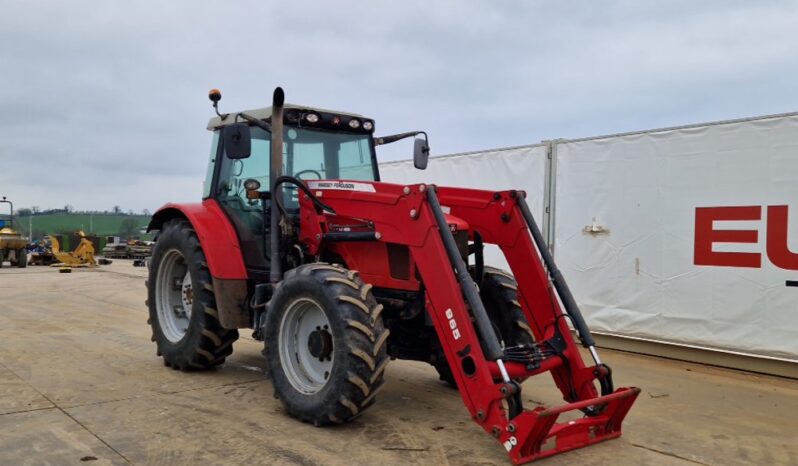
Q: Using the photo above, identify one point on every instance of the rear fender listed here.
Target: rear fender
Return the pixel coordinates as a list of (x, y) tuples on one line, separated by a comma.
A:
[(219, 242)]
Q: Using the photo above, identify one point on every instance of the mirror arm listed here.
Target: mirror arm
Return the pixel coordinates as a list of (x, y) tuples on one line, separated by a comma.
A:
[(426, 140), (259, 123), (397, 137)]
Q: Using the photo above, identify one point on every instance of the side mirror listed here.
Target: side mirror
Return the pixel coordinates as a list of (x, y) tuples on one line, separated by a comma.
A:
[(237, 141), (420, 154)]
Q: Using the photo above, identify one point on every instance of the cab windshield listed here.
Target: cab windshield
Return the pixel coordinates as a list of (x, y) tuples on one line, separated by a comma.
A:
[(317, 154), (308, 154)]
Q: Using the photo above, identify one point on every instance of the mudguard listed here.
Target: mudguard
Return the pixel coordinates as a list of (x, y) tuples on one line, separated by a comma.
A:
[(222, 251)]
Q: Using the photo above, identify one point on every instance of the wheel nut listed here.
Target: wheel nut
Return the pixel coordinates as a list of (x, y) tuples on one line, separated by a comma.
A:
[(406, 190)]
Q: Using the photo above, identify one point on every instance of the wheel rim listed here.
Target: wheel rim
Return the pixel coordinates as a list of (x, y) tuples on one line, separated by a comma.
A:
[(174, 295), (306, 346)]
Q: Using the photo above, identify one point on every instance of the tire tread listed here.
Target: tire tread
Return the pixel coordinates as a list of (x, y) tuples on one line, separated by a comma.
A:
[(365, 355), (215, 343)]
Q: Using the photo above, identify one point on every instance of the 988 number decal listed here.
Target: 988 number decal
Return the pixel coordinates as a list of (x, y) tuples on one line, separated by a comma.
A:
[(453, 324)]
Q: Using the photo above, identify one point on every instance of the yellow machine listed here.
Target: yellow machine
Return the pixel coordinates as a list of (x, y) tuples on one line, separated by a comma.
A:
[(12, 244), (82, 256), (12, 248)]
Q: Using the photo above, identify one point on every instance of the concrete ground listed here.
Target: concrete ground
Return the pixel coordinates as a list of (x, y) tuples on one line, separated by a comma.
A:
[(80, 384)]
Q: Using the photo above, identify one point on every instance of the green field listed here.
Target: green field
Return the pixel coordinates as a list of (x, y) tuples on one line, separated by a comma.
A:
[(92, 224)]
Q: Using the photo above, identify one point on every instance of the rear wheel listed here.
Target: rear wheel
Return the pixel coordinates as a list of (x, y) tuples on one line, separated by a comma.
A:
[(22, 258), (325, 343), (181, 303), (499, 293)]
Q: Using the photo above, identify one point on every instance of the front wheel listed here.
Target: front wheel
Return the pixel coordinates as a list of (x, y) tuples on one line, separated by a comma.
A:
[(325, 343), (185, 323)]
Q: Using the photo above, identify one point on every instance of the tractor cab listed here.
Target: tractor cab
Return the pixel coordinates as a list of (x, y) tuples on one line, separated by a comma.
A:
[(317, 144)]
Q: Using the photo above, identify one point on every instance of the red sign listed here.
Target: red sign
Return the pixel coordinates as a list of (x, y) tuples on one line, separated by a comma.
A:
[(778, 251)]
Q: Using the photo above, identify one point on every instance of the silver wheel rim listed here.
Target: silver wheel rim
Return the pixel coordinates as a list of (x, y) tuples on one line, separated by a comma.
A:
[(307, 373), (174, 295)]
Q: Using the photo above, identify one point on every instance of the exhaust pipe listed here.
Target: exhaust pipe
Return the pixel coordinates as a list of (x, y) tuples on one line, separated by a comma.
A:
[(276, 171)]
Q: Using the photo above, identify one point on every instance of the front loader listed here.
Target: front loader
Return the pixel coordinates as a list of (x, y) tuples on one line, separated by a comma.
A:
[(339, 273)]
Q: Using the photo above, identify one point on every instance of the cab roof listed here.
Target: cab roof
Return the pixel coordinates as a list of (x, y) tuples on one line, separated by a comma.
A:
[(266, 114)]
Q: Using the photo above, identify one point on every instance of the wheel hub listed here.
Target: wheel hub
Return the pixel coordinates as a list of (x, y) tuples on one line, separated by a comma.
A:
[(306, 345), (187, 293), (320, 343), (174, 295)]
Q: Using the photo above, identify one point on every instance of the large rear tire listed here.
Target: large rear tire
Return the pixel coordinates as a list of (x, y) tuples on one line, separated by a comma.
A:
[(325, 344), (185, 323), (499, 293)]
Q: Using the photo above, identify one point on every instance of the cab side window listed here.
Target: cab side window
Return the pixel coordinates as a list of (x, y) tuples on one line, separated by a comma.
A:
[(208, 184), (233, 173), (246, 214)]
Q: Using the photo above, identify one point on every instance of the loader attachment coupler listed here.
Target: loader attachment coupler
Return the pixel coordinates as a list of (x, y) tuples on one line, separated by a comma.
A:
[(489, 377)]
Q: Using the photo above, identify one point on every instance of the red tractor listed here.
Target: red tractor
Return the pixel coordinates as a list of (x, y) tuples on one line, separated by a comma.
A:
[(338, 273)]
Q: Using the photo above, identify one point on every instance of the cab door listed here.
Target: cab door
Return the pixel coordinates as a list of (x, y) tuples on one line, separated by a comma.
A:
[(247, 215)]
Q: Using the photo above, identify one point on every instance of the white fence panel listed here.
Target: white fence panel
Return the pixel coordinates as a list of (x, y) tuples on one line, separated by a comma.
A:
[(522, 168), (645, 272)]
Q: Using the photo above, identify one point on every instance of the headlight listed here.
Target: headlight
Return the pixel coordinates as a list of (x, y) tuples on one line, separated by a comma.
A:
[(354, 123), (368, 126), (312, 118)]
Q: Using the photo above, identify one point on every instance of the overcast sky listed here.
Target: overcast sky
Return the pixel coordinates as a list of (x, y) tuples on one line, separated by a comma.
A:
[(105, 103)]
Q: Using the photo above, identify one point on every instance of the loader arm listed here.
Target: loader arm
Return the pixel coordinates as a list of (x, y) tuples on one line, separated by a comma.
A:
[(411, 215)]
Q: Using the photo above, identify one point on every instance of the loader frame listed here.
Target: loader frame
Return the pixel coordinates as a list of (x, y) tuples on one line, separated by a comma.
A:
[(414, 216)]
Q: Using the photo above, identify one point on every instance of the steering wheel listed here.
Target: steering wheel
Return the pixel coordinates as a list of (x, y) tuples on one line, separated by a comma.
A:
[(296, 175)]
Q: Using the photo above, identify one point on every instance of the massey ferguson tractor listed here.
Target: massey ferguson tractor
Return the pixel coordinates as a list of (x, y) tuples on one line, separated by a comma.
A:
[(339, 273)]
